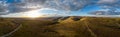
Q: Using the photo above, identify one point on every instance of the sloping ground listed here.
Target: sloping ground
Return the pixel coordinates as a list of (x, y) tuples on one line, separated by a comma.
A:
[(89, 27), (70, 27), (6, 26), (34, 28), (104, 27)]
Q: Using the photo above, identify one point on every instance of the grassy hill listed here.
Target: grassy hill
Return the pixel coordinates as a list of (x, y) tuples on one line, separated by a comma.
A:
[(63, 27), (6, 26)]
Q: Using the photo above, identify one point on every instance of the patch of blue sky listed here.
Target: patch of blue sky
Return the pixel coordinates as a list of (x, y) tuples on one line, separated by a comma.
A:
[(86, 10)]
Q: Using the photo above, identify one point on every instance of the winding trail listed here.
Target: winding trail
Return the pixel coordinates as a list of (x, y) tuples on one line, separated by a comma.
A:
[(18, 27), (88, 28)]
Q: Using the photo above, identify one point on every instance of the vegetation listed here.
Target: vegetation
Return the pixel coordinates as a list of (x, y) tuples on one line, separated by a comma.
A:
[(63, 27), (6, 26)]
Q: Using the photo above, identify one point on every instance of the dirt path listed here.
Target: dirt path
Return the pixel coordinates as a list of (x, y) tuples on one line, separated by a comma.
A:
[(91, 32), (18, 27)]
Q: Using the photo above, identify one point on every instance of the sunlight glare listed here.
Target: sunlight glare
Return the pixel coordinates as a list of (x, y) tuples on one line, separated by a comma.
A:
[(33, 14)]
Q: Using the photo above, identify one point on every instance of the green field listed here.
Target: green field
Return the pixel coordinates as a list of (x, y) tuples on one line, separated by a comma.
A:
[(62, 27)]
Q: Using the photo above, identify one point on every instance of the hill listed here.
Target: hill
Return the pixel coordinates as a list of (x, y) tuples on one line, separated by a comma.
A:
[(72, 26)]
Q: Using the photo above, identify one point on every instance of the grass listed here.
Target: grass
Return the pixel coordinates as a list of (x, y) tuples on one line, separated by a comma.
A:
[(6, 26), (65, 27)]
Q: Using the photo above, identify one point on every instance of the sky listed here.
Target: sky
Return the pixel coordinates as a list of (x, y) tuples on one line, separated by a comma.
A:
[(20, 8)]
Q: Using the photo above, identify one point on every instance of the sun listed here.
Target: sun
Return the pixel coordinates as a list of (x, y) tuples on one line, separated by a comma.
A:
[(32, 14)]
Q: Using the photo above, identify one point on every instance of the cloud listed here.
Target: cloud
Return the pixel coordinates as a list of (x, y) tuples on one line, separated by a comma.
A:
[(110, 3), (66, 5), (69, 5), (3, 8), (27, 5), (109, 7), (109, 12), (107, 1)]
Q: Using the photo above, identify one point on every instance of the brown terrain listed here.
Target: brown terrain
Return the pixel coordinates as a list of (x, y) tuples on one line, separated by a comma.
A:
[(73, 26)]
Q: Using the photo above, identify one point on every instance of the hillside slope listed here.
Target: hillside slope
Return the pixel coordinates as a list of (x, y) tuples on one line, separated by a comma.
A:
[(67, 27)]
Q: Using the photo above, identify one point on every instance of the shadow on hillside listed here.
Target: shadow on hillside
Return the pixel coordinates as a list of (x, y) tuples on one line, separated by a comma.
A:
[(73, 26)]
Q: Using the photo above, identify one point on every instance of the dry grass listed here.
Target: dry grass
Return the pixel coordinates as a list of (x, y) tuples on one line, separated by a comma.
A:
[(70, 27)]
